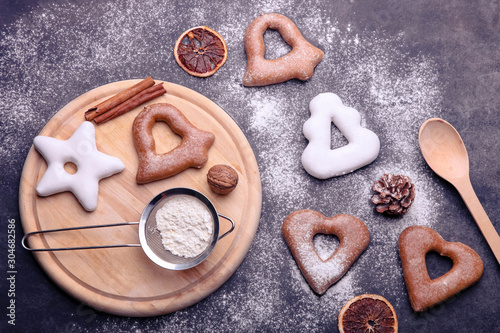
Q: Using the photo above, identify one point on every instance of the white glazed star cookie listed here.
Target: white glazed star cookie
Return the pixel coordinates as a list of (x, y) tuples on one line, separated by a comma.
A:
[(92, 165)]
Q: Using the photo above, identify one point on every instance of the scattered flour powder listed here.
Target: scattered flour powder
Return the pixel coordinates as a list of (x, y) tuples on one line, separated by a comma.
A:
[(185, 225), (394, 92)]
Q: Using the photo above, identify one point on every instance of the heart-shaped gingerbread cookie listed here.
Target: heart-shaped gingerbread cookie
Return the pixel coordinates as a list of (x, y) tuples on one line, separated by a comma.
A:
[(299, 229), (192, 152), (414, 243)]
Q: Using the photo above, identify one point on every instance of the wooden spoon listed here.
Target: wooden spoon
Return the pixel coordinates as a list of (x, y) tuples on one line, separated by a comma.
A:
[(444, 151)]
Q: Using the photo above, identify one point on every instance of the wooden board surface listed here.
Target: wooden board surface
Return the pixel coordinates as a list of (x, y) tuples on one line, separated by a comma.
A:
[(124, 281)]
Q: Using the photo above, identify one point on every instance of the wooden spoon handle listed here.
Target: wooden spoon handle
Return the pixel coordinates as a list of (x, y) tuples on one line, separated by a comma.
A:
[(466, 190)]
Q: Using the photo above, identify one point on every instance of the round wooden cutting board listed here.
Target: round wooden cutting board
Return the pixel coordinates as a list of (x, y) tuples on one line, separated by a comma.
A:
[(124, 281)]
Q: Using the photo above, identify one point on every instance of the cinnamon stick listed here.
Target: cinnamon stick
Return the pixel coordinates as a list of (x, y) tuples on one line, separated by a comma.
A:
[(142, 97), (118, 98)]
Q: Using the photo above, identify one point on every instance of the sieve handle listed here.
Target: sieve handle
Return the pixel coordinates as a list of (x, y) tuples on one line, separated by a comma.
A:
[(23, 242), (227, 232)]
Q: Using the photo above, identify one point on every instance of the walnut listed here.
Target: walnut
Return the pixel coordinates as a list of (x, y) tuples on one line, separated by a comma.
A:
[(395, 194), (222, 179)]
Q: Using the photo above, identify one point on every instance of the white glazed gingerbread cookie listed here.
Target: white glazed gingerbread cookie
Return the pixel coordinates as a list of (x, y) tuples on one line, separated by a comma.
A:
[(92, 165), (299, 229), (299, 63), (318, 159)]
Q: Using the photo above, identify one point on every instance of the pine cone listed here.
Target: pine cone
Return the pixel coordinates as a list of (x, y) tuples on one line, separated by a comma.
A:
[(395, 194)]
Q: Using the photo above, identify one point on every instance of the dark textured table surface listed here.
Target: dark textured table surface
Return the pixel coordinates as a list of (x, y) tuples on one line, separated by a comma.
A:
[(397, 62)]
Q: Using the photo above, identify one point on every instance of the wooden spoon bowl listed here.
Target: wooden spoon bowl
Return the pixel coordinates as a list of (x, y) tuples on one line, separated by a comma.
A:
[(443, 149)]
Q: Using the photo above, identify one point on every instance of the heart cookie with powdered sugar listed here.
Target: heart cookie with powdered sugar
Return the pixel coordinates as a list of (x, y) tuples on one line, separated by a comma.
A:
[(299, 229), (414, 243)]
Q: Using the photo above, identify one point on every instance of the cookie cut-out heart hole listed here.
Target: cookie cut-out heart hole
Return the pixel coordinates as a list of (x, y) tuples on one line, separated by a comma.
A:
[(437, 265), (276, 47), (325, 245)]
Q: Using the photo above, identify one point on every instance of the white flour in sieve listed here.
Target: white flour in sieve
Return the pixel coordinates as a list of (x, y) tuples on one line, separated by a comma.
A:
[(185, 225)]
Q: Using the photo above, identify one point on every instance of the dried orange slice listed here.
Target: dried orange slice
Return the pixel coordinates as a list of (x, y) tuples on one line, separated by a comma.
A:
[(200, 51), (368, 313)]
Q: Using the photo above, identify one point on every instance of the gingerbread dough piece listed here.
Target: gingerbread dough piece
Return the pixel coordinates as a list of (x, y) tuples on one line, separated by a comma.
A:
[(318, 159), (299, 229), (299, 63), (191, 152), (414, 243)]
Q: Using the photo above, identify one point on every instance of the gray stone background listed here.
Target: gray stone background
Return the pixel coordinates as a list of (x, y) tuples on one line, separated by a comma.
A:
[(397, 62)]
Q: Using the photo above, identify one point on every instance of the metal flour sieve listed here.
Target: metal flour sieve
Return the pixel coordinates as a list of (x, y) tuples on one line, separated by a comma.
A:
[(149, 236)]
